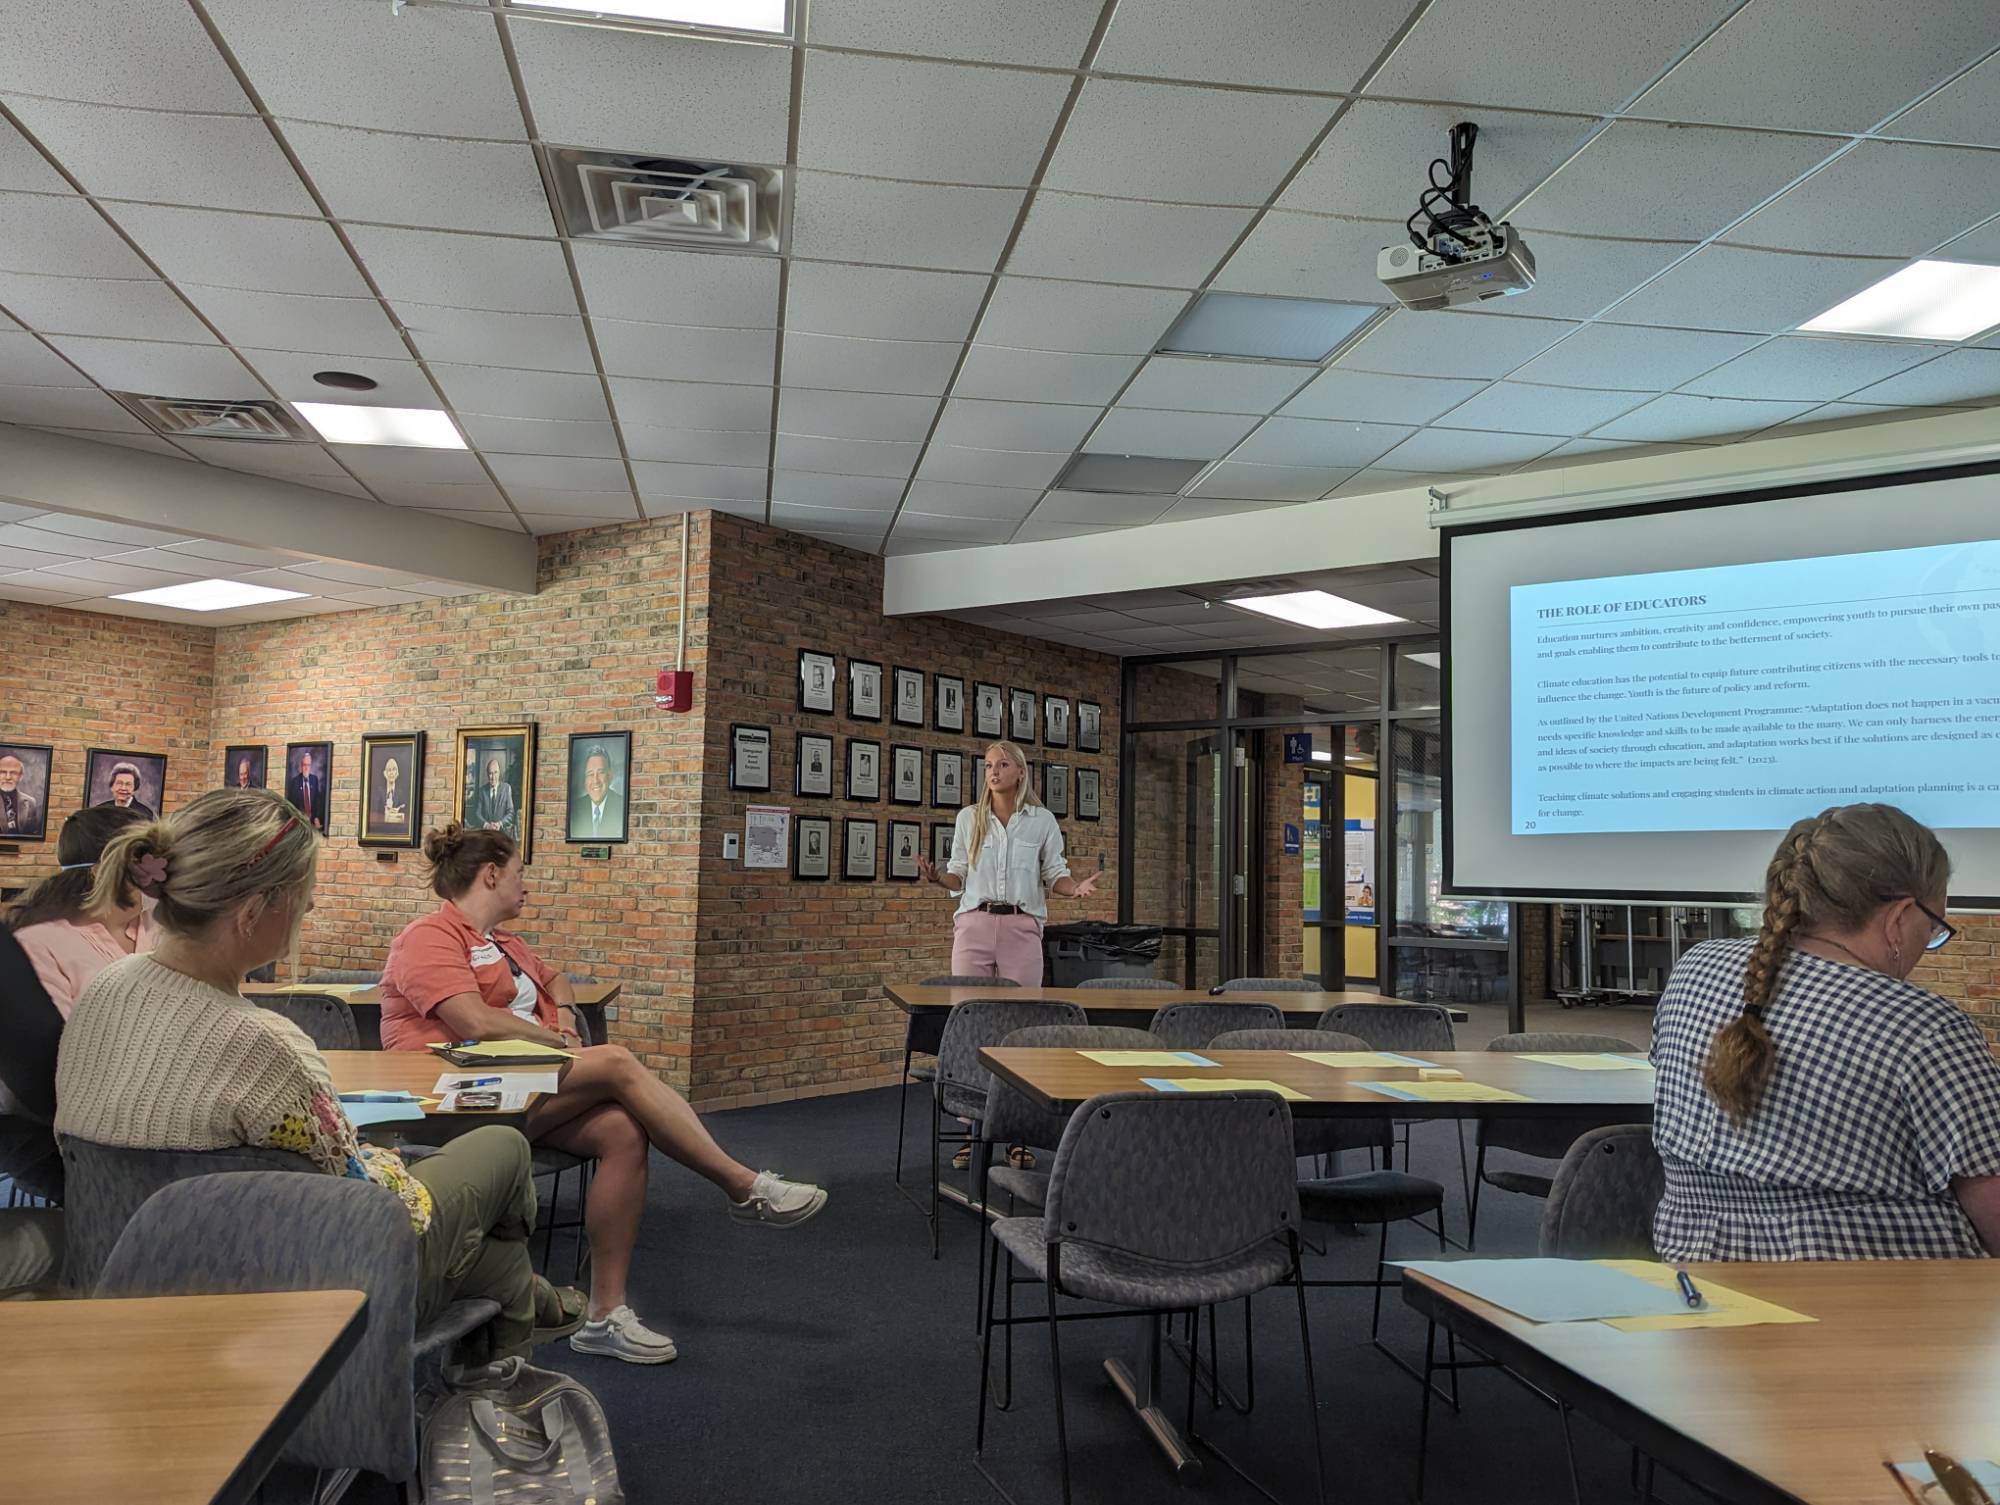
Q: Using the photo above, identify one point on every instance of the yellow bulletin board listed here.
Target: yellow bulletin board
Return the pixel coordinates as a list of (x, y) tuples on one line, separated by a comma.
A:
[(1360, 806)]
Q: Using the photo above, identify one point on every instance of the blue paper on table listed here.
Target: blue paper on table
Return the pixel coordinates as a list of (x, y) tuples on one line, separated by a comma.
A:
[(1984, 1470), (361, 1115), (1552, 1290)]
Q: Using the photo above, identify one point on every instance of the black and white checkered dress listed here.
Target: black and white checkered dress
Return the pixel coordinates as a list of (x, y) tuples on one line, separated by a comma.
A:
[(1883, 1094)]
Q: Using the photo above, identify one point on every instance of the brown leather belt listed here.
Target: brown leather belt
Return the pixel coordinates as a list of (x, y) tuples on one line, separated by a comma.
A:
[(989, 907)]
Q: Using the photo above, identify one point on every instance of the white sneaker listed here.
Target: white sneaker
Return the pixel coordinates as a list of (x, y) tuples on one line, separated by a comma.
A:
[(619, 1334), (779, 1202)]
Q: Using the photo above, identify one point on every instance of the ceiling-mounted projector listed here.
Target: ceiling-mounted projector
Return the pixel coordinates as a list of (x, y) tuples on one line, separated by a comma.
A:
[(1459, 255)]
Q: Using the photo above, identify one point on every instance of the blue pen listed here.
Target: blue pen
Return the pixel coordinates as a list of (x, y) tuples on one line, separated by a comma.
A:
[(476, 1081), (1688, 1291)]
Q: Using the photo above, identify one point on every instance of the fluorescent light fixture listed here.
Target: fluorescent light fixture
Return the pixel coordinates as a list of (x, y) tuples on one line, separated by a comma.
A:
[(1429, 660), (731, 15), (416, 428), (210, 595), (1315, 609), (1927, 300), (1271, 329), (1322, 757)]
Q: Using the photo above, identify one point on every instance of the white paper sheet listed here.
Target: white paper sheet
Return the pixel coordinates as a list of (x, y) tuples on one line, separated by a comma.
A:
[(515, 1088)]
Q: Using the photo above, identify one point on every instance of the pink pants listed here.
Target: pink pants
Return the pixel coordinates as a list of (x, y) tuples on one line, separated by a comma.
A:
[(997, 945)]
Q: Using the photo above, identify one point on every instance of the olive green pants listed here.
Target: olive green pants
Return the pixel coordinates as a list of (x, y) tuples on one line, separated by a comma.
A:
[(483, 1212)]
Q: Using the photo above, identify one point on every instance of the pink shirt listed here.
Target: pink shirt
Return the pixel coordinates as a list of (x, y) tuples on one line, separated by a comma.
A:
[(67, 956)]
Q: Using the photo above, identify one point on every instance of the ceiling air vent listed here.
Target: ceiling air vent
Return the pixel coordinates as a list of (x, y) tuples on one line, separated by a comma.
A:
[(257, 418), (667, 201)]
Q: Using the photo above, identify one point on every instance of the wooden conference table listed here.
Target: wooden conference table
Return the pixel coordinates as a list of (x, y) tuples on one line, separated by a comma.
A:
[(1905, 1355), (175, 1400), (366, 1003), (416, 1072), (913, 998)]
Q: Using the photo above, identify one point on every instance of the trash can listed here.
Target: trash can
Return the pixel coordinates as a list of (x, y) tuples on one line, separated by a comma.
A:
[(1075, 953)]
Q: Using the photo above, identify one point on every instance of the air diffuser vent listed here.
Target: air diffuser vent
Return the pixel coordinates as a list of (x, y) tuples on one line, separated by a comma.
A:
[(256, 418), (667, 201)]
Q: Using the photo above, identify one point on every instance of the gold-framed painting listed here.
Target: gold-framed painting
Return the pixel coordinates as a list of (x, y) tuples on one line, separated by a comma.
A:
[(392, 789), (493, 781)]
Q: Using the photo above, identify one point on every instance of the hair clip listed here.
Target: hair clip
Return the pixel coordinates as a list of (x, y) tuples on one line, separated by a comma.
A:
[(283, 831)]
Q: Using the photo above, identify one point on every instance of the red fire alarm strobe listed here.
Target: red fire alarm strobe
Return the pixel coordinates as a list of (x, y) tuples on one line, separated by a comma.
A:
[(674, 690)]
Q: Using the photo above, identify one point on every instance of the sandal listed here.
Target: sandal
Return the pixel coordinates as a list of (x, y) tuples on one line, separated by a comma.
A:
[(559, 1310), (962, 1158), (1020, 1157)]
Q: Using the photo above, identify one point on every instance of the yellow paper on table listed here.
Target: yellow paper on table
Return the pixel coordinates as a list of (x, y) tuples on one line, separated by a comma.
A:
[(1146, 1057), (498, 1050), (1722, 1307), (1451, 1092), (1591, 1062), (1349, 1059), (1219, 1084), (336, 989)]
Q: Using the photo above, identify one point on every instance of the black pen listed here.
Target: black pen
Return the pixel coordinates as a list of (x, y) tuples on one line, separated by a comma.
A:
[(1688, 1291)]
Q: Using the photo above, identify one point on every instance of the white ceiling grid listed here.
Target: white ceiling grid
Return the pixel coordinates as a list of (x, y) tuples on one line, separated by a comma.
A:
[(994, 213)]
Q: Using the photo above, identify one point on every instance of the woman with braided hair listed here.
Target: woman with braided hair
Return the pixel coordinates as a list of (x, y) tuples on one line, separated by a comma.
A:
[(1812, 1103)]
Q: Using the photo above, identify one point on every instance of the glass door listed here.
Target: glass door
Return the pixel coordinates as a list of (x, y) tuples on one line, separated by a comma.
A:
[(1176, 866)]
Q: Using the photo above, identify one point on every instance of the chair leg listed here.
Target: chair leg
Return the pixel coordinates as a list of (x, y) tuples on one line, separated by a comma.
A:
[(583, 1179), (1194, 1365), (549, 1225), (1305, 1345), (1472, 1210), (980, 1152), (985, 1355), (1008, 1361), (902, 1104), (1055, 1370), (1250, 1360), (937, 1127), (1464, 1173), (1214, 1357), (1424, 1413), (1381, 1261), (1569, 1455)]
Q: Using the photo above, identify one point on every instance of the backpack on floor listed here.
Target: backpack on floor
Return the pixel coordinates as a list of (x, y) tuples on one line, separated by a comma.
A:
[(510, 1434)]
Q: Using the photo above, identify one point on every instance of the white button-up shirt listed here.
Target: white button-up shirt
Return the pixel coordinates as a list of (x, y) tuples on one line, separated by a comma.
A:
[(1017, 863)]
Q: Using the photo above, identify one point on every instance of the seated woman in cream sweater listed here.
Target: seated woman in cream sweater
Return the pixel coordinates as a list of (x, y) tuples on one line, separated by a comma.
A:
[(162, 1053)]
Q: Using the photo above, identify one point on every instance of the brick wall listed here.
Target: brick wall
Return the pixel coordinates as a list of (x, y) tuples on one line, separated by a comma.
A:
[(1964, 971)]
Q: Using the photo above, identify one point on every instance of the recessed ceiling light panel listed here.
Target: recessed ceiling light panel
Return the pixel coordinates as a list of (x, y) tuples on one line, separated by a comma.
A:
[(1135, 475), (210, 595), (768, 16), (1318, 610), (1269, 329), (1927, 300), (413, 428)]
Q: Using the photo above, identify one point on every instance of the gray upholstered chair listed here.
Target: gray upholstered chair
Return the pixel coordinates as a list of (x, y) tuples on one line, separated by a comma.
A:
[(31, 1027), (1190, 1026), (1315, 1136), (921, 1035), (1403, 1026), (327, 1020), (1270, 985), (1605, 1194), (1131, 984), (370, 978), (266, 1231), (1162, 1203), (31, 1248), (1541, 1138)]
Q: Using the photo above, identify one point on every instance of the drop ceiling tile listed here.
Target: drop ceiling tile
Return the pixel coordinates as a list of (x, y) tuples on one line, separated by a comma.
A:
[(1825, 65), (1451, 344), (61, 237), (955, 499), (428, 181), (434, 72), (486, 337), (432, 266), (979, 424), (1121, 240), (800, 488), (871, 302), (1032, 313), (113, 576), (1577, 276), (1079, 508), (1526, 408), (691, 404), (1196, 508), (215, 552), (307, 464), (155, 56), (14, 559), (638, 91), (1168, 435), (1048, 375), (1576, 450), (1676, 416), (393, 466), (838, 218), (1233, 480), (500, 392), (1717, 177), (499, 522), (848, 520), (649, 441), (379, 596), (920, 368), (1012, 468), (1812, 367), (1176, 144), (854, 415), (150, 443), (23, 169), (590, 438), (463, 497), (290, 321), (146, 310), (163, 369), (1966, 110), (557, 473), (256, 252), (1916, 197), (26, 362), (1029, 33), (1312, 256), (1533, 55), (212, 161), (729, 483), (863, 543), (950, 123), (1213, 385), (1962, 376), (1282, 44), (1737, 288), (542, 524), (1311, 443), (399, 384), (670, 352), (650, 285), (1372, 397), (847, 457), (1982, 244), (1448, 450), (1632, 358), (965, 530), (45, 590), (558, 501)]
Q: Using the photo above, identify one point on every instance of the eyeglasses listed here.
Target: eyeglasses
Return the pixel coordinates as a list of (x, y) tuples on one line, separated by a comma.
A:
[(1942, 935)]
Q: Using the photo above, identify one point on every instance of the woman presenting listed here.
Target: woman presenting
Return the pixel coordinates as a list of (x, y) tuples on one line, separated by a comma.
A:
[(1006, 859)]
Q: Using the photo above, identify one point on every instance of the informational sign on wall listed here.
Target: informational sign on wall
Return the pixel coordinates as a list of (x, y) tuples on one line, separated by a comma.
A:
[(1360, 872), (1309, 862)]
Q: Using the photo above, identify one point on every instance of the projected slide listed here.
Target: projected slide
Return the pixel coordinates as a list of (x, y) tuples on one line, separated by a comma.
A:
[(1741, 697)]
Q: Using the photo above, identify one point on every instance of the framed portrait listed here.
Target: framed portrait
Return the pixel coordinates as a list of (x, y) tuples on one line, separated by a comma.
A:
[(812, 848), (857, 851), (906, 775), (816, 680), (1055, 788), (989, 711), (137, 779), (24, 790), (864, 690), (309, 780), (947, 703), (1087, 795), (1055, 720), (1021, 717), (906, 847), (814, 765), (907, 696), (600, 787), (494, 786), (392, 789), (245, 767), (749, 757), (942, 833), (864, 769), (1089, 726), (947, 780)]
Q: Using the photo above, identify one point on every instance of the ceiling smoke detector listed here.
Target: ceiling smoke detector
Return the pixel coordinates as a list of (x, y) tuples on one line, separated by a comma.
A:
[(254, 418), (667, 201)]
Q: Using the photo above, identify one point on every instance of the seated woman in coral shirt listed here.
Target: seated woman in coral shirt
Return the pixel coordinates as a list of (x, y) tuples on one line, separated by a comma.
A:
[(68, 940), (455, 975)]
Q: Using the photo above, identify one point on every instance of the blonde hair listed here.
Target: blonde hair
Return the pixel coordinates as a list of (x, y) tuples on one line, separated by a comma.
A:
[(1836, 869), (983, 806), (201, 862)]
